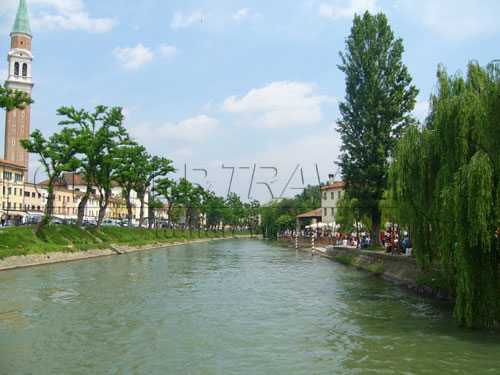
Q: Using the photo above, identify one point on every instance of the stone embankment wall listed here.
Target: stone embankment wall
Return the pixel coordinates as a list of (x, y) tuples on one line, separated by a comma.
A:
[(396, 267)]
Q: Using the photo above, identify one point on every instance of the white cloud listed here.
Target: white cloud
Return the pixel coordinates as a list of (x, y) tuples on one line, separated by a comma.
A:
[(279, 105), (68, 15), (179, 21), (241, 14), (192, 130), (340, 9), (133, 58), (454, 20), (167, 51)]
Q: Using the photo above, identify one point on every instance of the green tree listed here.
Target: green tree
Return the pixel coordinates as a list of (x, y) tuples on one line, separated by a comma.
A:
[(10, 99), (169, 190), (98, 132), (446, 182), (130, 158), (376, 110), (57, 154), (251, 211), (151, 167), (285, 222), (236, 211)]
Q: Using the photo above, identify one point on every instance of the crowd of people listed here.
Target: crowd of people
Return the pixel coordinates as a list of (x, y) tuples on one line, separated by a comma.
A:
[(395, 242)]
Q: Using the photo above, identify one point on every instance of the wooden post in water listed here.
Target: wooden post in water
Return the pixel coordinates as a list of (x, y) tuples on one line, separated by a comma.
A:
[(312, 241)]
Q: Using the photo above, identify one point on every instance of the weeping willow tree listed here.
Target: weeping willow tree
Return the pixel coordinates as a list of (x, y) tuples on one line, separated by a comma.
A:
[(445, 179)]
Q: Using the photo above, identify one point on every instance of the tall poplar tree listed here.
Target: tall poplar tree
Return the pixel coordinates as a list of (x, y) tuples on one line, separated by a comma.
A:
[(379, 99)]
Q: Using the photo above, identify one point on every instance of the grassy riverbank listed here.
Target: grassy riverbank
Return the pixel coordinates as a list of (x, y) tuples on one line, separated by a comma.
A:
[(62, 238)]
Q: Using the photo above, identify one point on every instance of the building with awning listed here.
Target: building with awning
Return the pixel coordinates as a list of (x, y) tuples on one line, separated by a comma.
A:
[(314, 216)]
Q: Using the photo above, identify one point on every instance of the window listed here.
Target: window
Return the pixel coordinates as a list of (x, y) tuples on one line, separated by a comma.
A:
[(33, 195), (340, 194), (331, 195), (27, 194), (9, 191), (333, 211), (7, 175), (15, 191), (19, 177), (16, 69), (20, 192), (25, 70), (326, 211), (59, 198), (15, 204), (324, 195)]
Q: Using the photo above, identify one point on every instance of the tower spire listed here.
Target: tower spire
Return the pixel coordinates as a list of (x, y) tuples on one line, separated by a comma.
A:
[(22, 23)]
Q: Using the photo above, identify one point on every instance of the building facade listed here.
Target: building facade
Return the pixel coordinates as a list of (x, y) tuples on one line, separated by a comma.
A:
[(331, 194), (12, 189)]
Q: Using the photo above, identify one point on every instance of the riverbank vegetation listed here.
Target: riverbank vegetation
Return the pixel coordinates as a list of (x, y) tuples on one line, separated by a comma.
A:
[(446, 184), (68, 238)]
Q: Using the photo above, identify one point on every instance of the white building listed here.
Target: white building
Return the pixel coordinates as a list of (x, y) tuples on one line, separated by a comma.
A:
[(330, 196)]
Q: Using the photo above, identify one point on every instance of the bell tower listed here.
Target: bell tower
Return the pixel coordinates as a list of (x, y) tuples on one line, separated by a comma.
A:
[(17, 122)]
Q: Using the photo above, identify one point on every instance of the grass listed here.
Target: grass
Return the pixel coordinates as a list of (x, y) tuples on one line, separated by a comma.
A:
[(68, 238), (343, 260), (378, 248)]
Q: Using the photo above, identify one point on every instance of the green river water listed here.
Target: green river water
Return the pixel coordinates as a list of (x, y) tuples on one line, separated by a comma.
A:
[(227, 307)]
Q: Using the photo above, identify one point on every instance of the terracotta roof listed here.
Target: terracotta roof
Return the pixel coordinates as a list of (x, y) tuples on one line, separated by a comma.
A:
[(69, 180), (335, 185), (314, 213), (10, 164)]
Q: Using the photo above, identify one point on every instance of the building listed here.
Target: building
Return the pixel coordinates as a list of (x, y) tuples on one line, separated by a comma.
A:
[(330, 196), (17, 121), (12, 190), (33, 198)]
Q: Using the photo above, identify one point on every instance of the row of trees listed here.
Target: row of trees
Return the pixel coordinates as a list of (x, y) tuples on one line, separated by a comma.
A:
[(203, 208), (440, 180), (281, 215), (97, 146)]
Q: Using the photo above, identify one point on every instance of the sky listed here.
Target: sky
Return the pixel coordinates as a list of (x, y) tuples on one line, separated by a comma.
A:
[(242, 96)]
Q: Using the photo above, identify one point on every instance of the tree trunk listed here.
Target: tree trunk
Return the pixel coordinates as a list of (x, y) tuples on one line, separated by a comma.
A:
[(81, 208), (102, 212), (151, 216), (141, 212), (129, 211), (375, 235), (49, 210)]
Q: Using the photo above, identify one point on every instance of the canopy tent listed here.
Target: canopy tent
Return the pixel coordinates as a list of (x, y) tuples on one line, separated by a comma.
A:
[(321, 226)]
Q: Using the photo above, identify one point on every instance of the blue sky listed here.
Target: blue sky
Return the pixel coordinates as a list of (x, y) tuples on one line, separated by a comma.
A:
[(249, 85)]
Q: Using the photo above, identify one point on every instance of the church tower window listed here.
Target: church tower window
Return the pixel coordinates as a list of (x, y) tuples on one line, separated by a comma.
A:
[(16, 68), (25, 70)]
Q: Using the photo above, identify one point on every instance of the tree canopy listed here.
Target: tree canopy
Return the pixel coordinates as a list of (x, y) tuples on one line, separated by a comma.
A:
[(10, 99), (379, 98), (446, 181)]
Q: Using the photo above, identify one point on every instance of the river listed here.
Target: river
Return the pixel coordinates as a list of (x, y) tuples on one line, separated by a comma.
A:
[(227, 307)]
